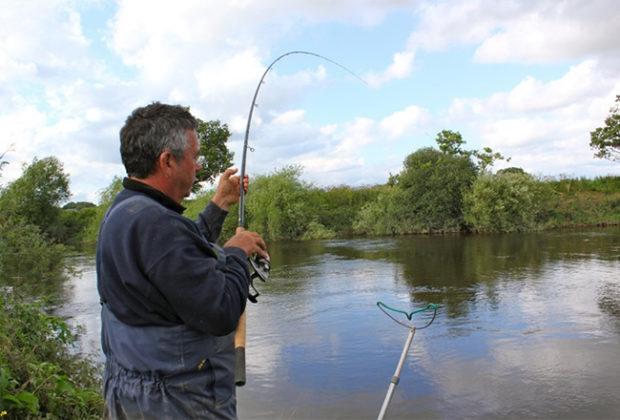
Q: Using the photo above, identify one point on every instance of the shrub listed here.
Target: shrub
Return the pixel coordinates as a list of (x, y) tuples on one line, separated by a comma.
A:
[(39, 377), (27, 258), (507, 202)]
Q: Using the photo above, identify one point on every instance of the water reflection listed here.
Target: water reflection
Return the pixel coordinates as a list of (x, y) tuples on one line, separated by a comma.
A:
[(529, 327)]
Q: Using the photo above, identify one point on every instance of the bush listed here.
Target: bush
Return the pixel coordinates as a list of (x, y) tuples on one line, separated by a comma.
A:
[(277, 206), (27, 258), (507, 202), (383, 216), (39, 377)]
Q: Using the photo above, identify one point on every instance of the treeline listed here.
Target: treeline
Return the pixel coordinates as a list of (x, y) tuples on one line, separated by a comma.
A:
[(40, 376), (444, 189)]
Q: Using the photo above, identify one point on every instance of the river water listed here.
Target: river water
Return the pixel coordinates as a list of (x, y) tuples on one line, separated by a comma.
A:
[(528, 326)]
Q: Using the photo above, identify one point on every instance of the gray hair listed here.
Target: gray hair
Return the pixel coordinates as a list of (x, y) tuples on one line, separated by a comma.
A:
[(151, 130)]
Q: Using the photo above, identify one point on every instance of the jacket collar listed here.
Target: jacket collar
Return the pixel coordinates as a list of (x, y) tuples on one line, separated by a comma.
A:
[(160, 197)]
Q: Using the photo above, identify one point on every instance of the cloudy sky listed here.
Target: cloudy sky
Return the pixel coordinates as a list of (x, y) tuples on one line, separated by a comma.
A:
[(529, 79)]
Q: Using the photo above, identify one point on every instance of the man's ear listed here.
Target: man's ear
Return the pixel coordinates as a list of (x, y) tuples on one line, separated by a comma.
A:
[(164, 162)]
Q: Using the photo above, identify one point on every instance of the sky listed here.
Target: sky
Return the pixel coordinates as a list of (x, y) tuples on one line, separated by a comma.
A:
[(529, 79)]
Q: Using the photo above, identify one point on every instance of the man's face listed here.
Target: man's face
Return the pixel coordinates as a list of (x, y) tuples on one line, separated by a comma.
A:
[(186, 167)]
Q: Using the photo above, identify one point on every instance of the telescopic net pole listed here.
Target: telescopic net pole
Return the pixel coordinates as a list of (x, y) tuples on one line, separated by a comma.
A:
[(396, 377)]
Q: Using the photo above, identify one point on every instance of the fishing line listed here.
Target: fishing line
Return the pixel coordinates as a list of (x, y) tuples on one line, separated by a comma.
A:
[(241, 221)]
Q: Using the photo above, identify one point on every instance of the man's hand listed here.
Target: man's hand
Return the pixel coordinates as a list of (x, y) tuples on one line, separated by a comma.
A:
[(227, 192), (250, 242)]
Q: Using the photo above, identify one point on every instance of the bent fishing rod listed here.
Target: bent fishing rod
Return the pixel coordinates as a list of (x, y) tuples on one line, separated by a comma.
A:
[(259, 266)]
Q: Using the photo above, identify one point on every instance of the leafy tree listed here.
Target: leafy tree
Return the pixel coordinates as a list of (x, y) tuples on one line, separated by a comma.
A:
[(606, 140), (213, 136), (450, 142), (34, 197), (511, 170), (72, 205), (487, 158), (433, 183)]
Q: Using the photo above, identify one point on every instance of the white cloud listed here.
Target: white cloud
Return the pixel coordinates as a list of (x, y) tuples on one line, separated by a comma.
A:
[(400, 122), (519, 31), (39, 39), (402, 64), (544, 126)]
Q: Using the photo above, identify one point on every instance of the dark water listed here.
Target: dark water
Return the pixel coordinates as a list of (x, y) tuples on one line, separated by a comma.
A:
[(529, 326)]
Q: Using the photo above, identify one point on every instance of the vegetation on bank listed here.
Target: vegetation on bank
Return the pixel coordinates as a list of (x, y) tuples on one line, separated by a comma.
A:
[(40, 377)]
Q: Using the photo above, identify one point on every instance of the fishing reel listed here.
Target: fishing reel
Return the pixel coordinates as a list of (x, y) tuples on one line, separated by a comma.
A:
[(259, 269)]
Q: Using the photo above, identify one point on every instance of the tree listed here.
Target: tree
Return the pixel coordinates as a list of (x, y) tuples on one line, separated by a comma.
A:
[(35, 196), (213, 136), (487, 158), (433, 183), (606, 140), (450, 142)]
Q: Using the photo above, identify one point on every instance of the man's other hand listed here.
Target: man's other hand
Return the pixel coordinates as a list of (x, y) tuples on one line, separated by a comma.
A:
[(227, 192), (250, 242)]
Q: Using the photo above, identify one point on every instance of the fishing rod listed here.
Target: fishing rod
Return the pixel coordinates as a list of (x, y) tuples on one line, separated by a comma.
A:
[(259, 267)]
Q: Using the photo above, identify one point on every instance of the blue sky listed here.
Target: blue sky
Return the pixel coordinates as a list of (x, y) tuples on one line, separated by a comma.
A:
[(529, 79)]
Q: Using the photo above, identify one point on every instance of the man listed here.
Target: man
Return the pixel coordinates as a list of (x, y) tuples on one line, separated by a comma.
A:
[(171, 298)]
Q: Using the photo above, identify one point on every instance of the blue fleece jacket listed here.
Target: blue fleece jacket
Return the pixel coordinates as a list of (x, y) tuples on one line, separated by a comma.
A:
[(157, 268)]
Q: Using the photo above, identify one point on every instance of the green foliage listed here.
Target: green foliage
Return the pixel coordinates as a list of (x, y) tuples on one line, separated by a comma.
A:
[(335, 208), (507, 202), (27, 258), (213, 136), (316, 230), (571, 186), (487, 158), (277, 206), (106, 197), (73, 224), (450, 142), (433, 184), (39, 375), (34, 197), (79, 205), (606, 140), (384, 215)]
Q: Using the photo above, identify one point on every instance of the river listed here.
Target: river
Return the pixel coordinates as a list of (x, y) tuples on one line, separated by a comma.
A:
[(528, 326)]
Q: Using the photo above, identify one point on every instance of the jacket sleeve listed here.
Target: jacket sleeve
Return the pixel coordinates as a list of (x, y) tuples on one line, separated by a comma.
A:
[(207, 296), (210, 221)]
